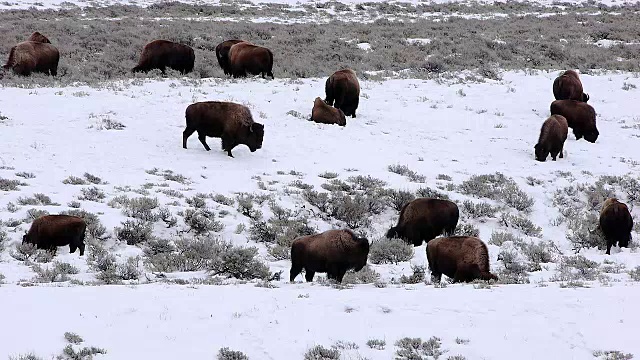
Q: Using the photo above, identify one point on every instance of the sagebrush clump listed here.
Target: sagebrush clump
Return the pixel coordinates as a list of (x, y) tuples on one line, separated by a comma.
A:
[(390, 251)]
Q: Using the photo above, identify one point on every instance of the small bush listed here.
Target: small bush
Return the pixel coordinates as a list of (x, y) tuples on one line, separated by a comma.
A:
[(141, 208), (365, 276), (521, 223), (635, 274), (245, 207), (319, 352), (4, 239), (59, 272), (74, 180), (93, 179), (376, 344), (418, 275), (581, 235), (74, 204), (397, 199), (430, 193), (33, 214), (328, 175), (499, 237), (92, 194), (240, 263), (134, 232), (23, 251), (390, 251), (514, 270), (202, 221), (228, 354), (416, 349), (405, 171), (30, 356), (576, 268), (499, 188), (198, 201), (466, 229), (36, 199), (73, 338), (26, 175), (612, 355), (479, 210), (87, 353), (223, 200), (10, 185)]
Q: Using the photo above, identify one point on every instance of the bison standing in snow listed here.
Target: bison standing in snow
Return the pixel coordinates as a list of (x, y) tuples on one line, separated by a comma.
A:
[(425, 218), (34, 55), (324, 114), (245, 57), (343, 91), (163, 54), (462, 258), (568, 86), (50, 231), (581, 117), (616, 223), (552, 137)]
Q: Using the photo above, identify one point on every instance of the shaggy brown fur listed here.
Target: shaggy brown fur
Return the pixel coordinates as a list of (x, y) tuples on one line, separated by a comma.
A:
[(163, 54), (222, 53), (249, 58), (581, 117), (462, 258), (343, 88), (552, 137), (423, 219), (37, 55), (231, 122), (324, 114), (333, 252), (569, 87), (50, 231), (616, 223), (37, 37)]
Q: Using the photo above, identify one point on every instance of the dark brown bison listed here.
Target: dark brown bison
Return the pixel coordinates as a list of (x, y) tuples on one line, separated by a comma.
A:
[(34, 55), (615, 223), (324, 114), (423, 219), (552, 137), (462, 258), (50, 231), (246, 58), (581, 117), (222, 53), (569, 87), (343, 91), (231, 122), (333, 252), (163, 54)]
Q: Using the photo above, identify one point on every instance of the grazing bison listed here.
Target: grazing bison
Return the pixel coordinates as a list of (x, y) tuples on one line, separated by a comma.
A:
[(246, 58), (34, 55), (568, 86), (343, 91), (552, 136), (222, 53), (616, 223), (462, 258), (163, 54), (333, 252), (50, 231), (325, 114), (231, 122), (423, 219), (581, 117)]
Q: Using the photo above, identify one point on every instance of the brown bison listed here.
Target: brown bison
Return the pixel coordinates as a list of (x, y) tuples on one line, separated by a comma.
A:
[(568, 87), (231, 122), (34, 55), (163, 54), (552, 137), (343, 91), (222, 53), (615, 223), (423, 219), (245, 57), (581, 117), (333, 252), (462, 258), (325, 114), (50, 231)]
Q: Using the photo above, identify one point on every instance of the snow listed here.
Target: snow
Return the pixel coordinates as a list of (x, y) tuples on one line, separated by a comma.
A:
[(418, 41)]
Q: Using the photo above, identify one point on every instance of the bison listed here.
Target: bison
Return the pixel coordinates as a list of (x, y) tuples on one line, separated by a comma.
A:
[(325, 114), (462, 258), (50, 231), (229, 121), (245, 57), (615, 223), (163, 54), (581, 117), (333, 252), (34, 55), (567, 86), (552, 137), (222, 53), (343, 91), (423, 219)]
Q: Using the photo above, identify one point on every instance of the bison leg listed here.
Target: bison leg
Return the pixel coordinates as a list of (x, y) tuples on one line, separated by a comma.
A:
[(340, 274), (294, 272), (308, 275), (609, 243), (577, 134), (269, 73), (203, 139), (72, 248), (228, 144), (81, 247), (436, 277), (185, 135)]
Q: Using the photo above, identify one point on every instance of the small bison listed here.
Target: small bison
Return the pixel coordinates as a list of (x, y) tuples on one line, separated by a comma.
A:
[(50, 231), (231, 122), (552, 137), (462, 258), (423, 219), (568, 86), (333, 252), (163, 54), (324, 114), (343, 91), (34, 55), (581, 117), (222, 53), (245, 57), (615, 223)]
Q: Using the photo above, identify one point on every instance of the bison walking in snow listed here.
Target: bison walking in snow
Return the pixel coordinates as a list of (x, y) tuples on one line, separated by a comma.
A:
[(462, 258), (343, 91), (34, 55), (581, 117), (615, 223), (245, 57), (50, 231), (163, 54), (324, 114), (568, 86), (423, 219), (552, 137)]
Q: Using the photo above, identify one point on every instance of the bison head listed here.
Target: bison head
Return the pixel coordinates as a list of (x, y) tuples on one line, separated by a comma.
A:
[(541, 152), (25, 239), (592, 136), (256, 135), (343, 119)]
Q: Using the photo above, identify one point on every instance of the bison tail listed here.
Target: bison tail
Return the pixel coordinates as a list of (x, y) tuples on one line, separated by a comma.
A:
[(392, 233), (11, 61)]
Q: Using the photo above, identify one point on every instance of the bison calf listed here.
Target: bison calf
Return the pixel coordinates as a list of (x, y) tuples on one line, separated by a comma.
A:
[(34, 55), (222, 53), (568, 86), (163, 54), (343, 91), (324, 114), (462, 258), (425, 218), (552, 137), (245, 57), (333, 252), (616, 223), (50, 231), (581, 117)]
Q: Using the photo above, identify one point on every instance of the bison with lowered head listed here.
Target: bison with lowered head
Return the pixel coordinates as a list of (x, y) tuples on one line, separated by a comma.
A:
[(581, 117), (343, 91), (50, 231), (423, 219), (163, 54), (615, 223), (222, 53), (552, 137), (462, 258), (231, 122), (34, 55), (568, 86), (333, 252), (245, 57), (324, 114)]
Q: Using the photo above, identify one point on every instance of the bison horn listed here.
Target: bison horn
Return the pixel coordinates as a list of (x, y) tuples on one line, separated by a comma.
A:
[(251, 128)]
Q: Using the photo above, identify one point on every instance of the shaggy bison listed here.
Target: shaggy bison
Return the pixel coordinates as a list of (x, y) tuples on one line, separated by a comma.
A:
[(246, 58), (163, 54), (569, 87), (222, 53), (616, 223), (343, 91), (333, 252), (34, 55), (462, 258), (552, 136), (231, 122), (50, 231), (423, 219), (581, 117), (325, 114)]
